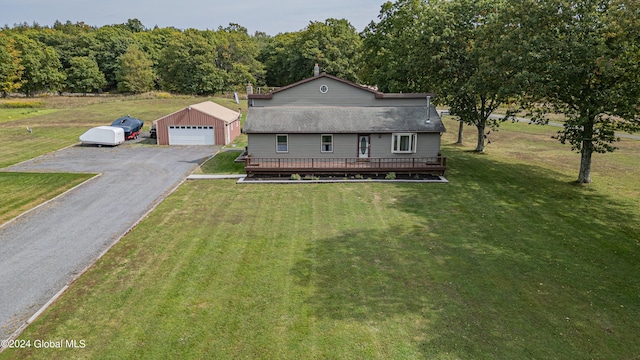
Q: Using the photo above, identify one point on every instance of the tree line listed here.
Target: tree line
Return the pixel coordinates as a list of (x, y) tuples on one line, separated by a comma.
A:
[(577, 58), (131, 58)]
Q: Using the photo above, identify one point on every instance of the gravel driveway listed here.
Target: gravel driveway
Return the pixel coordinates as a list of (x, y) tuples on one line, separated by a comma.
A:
[(43, 250)]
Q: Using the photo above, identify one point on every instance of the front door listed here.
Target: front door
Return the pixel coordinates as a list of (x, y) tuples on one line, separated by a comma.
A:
[(363, 146)]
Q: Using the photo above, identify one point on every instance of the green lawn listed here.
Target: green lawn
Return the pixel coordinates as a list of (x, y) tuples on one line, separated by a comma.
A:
[(22, 191), (7, 115), (509, 260), (223, 163)]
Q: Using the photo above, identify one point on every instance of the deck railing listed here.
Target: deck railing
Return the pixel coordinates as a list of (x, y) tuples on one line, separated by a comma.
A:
[(435, 164)]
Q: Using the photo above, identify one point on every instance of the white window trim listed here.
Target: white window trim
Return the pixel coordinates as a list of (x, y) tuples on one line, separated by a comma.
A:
[(322, 143), (287, 143), (413, 143)]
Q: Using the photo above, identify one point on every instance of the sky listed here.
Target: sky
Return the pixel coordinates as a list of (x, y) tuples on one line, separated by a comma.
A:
[(269, 16)]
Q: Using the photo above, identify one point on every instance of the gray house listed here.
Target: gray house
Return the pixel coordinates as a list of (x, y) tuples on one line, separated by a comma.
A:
[(327, 125)]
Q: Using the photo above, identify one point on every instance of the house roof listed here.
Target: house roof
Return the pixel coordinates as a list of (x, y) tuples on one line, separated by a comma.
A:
[(337, 119), (217, 111), (378, 94)]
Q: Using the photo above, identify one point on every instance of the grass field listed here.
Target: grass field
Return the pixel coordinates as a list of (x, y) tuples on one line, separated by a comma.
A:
[(22, 191), (509, 260), (223, 163)]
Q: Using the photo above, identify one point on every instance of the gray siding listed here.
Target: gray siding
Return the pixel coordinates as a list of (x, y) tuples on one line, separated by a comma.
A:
[(428, 146), (302, 146), (344, 146), (339, 94)]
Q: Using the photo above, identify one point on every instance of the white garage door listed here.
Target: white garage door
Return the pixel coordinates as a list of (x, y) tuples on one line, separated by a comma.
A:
[(191, 135)]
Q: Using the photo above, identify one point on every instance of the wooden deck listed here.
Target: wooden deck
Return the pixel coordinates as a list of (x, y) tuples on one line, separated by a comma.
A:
[(433, 165)]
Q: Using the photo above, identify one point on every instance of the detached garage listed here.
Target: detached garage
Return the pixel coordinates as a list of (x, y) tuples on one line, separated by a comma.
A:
[(206, 123)]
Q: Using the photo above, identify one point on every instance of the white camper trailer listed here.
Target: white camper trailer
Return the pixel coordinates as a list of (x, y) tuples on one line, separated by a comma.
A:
[(103, 135)]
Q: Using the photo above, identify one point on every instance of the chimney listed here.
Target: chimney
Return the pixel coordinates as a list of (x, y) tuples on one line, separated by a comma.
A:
[(249, 89), (316, 70), (428, 109)]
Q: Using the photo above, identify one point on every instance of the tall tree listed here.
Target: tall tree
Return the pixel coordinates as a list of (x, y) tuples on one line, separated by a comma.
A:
[(135, 73), (111, 42), (444, 46), (280, 57), (134, 25), (333, 44), (581, 60), (237, 55), (188, 64), (393, 54), (152, 42), (10, 67), (42, 68), (70, 45), (84, 75)]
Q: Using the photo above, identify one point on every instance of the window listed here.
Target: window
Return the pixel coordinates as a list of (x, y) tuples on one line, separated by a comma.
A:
[(282, 143), (327, 143), (404, 143)]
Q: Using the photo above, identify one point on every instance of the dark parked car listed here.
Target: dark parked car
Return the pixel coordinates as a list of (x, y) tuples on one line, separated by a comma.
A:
[(131, 126)]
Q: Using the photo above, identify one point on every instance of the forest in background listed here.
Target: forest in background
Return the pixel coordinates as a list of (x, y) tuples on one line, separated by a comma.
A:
[(130, 58)]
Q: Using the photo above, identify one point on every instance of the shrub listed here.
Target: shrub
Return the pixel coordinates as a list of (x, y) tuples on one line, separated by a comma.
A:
[(296, 177), (390, 176), (163, 95), (21, 104)]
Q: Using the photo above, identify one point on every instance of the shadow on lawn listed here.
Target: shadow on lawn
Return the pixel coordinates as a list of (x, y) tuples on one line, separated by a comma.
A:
[(366, 276), (499, 261)]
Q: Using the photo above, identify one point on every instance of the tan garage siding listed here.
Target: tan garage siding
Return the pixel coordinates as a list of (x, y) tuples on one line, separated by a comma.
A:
[(224, 131), (234, 130)]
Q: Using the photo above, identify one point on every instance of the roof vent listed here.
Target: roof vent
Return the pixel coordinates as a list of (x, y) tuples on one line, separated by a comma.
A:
[(316, 70), (428, 109)]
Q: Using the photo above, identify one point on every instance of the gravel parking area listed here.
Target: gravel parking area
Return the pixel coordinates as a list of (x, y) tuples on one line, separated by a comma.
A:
[(48, 247)]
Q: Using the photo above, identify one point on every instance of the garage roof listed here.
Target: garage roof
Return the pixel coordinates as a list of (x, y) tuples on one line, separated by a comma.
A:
[(216, 110)]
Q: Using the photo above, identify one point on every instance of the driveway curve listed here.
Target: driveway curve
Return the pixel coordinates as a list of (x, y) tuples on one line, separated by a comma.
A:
[(45, 249)]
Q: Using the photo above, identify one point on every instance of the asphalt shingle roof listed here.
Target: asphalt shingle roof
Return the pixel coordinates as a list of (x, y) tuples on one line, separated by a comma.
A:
[(217, 111), (338, 119)]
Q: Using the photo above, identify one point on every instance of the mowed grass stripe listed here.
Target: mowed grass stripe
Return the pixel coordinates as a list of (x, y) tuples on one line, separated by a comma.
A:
[(19, 145), (23, 191)]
